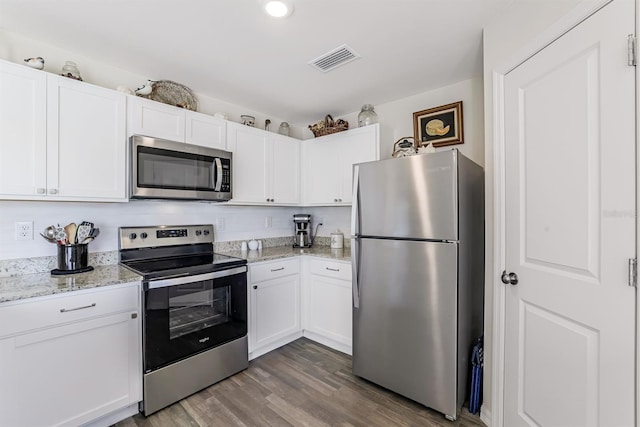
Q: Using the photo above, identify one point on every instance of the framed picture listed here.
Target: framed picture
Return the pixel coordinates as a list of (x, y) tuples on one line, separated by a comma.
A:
[(439, 126)]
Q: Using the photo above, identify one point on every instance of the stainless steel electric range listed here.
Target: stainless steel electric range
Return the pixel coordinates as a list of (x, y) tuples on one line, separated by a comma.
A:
[(195, 310)]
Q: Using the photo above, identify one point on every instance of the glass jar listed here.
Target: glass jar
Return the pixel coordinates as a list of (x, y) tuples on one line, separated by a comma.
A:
[(367, 116), (70, 69), (284, 129)]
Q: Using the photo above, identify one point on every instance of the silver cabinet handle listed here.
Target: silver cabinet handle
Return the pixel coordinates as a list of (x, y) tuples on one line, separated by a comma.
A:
[(277, 269), (53, 191), (332, 269), (66, 310), (40, 190)]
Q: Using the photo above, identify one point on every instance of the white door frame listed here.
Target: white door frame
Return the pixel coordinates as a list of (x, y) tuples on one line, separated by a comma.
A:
[(581, 12)]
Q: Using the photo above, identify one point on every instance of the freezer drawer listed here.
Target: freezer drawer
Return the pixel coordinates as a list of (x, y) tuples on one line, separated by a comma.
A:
[(404, 336)]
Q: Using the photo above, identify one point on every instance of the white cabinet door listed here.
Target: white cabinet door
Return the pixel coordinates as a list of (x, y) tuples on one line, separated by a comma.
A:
[(284, 167), (151, 118), (276, 309), (23, 143), (249, 148), (322, 174), (72, 373), (206, 131), (361, 145), (86, 141), (329, 308), (329, 162)]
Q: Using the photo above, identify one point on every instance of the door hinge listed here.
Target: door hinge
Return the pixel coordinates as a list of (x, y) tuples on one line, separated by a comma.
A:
[(631, 50), (633, 272)]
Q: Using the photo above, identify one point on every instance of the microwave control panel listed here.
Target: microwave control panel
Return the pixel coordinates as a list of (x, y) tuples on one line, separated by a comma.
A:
[(226, 175)]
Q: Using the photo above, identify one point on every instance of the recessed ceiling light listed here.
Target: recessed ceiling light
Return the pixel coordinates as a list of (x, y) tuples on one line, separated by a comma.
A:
[(278, 8)]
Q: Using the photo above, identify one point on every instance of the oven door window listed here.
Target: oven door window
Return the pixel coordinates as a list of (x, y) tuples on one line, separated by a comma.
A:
[(183, 320), (159, 168)]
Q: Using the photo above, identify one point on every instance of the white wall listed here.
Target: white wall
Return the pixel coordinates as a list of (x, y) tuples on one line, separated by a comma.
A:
[(397, 116), (240, 222), (519, 32), (15, 48)]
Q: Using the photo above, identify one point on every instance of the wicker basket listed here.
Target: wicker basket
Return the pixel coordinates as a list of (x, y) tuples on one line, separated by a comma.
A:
[(328, 126)]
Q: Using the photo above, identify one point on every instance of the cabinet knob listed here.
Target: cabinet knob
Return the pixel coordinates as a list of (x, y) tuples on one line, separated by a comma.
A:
[(335, 200), (267, 200), (255, 286), (340, 200), (40, 190), (53, 191)]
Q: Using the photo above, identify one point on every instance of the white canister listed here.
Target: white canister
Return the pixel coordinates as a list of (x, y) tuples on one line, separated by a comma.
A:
[(337, 240)]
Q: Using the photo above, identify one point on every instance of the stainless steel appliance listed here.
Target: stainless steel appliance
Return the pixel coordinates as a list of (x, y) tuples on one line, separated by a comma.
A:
[(418, 275), (195, 310), (162, 169), (302, 231)]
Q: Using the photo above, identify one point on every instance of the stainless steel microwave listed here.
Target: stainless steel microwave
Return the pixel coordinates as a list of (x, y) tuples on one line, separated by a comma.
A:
[(162, 169)]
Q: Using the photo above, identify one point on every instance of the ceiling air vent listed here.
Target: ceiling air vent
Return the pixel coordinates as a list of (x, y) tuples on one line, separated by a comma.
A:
[(335, 58)]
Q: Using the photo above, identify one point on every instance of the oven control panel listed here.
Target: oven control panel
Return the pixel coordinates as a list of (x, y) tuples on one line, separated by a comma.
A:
[(164, 235)]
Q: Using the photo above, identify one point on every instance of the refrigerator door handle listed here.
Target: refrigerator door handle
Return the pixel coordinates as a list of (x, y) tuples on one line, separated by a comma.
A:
[(354, 205), (355, 254)]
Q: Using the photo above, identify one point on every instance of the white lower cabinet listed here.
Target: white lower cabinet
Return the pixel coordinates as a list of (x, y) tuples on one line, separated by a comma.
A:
[(274, 305), (328, 303), (77, 358), (287, 302)]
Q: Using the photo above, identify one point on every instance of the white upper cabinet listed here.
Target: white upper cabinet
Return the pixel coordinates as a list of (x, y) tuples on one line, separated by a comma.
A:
[(164, 121), (23, 130), (328, 164), (60, 139), (265, 166), (206, 131), (151, 118), (86, 141)]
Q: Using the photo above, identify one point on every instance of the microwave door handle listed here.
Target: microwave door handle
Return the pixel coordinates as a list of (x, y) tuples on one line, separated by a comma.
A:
[(218, 174)]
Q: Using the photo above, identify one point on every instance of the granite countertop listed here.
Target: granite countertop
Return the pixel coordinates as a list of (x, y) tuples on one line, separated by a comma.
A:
[(39, 284), (267, 254), (25, 286)]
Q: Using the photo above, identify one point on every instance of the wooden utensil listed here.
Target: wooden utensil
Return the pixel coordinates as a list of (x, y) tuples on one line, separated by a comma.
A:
[(71, 232)]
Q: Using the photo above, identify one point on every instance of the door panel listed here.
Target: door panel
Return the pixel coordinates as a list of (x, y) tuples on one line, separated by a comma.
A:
[(410, 197), (404, 335), (570, 227)]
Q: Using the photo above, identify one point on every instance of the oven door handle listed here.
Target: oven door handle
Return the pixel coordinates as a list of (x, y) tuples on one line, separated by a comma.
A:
[(163, 283)]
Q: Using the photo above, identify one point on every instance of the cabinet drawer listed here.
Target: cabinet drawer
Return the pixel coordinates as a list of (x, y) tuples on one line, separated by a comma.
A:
[(274, 269), (47, 312), (337, 270)]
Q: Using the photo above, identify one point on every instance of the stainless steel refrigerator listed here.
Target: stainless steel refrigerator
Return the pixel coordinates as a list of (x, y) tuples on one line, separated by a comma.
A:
[(418, 275)]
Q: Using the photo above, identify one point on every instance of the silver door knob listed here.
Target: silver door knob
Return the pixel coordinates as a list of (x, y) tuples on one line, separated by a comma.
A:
[(509, 278)]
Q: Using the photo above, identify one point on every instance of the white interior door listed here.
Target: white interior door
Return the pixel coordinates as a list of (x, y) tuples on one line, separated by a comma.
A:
[(570, 227)]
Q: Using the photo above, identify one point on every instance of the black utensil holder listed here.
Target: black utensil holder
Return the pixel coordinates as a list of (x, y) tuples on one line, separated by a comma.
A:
[(73, 257)]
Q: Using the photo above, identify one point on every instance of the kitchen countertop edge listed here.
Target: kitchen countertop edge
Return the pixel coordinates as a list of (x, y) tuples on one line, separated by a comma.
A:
[(20, 287), (27, 286), (273, 253)]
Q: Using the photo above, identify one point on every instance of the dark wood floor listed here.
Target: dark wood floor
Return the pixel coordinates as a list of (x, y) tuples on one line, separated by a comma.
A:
[(301, 384)]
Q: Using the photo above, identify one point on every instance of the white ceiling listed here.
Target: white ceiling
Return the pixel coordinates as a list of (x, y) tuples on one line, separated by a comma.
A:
[(232, 51)]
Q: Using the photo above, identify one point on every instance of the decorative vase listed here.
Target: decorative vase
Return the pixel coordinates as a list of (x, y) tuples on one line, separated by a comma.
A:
[(367, 116)]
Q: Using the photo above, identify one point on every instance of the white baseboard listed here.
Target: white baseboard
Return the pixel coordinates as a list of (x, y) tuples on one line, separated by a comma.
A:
[(276, 344), (344, 348), (485, 415), (114, 417)]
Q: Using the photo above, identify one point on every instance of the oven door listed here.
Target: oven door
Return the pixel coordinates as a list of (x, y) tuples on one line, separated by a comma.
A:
[(187, 315), (173, 170)]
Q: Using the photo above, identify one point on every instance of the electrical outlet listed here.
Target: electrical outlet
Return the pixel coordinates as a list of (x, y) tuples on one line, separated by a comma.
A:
[(268, 222), (220, 224), (24, 230)]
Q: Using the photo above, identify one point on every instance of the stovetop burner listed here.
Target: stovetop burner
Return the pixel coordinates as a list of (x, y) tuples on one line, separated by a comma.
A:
[(167, 251)]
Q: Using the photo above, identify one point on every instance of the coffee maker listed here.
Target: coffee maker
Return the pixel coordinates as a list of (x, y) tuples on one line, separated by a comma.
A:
[(302, 231)]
